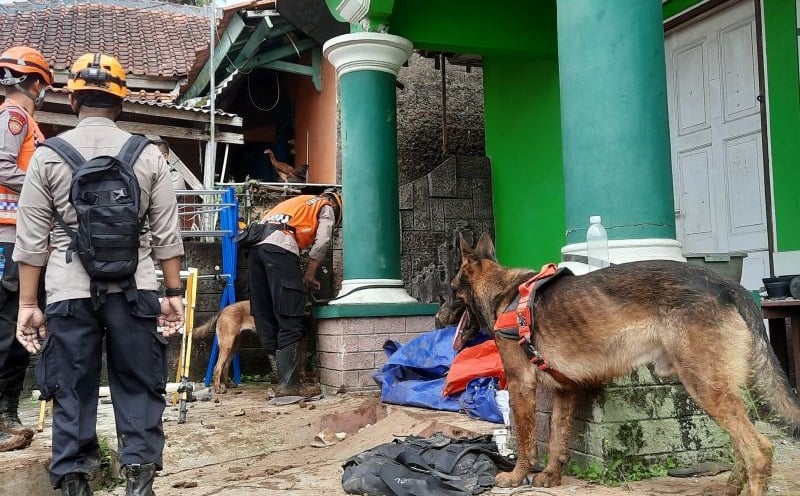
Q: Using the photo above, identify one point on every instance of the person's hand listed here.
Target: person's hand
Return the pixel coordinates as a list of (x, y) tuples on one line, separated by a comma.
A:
[(31, 328), (310, 282), (171, 318), (310, 277)]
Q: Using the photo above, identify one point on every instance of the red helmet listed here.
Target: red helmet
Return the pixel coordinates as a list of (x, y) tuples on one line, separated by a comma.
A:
[(25, 60)]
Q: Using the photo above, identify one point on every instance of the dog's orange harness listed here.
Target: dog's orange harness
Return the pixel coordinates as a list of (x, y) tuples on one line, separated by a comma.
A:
[(517, 320)]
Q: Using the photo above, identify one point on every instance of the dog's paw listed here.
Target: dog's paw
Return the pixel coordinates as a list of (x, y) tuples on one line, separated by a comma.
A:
[(509, 479), (547, 479)]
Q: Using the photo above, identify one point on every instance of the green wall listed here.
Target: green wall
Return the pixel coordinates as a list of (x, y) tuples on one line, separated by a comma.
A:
[(784, 118), (523, 141), (477, 27), (672, 7)]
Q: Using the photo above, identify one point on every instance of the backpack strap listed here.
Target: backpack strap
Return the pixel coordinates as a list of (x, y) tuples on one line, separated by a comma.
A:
[(74, 159), (132, 148), (71, 156)]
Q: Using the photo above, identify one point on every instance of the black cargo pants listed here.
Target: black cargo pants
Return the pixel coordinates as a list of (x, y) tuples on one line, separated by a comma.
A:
[(69, 372), (13, 357), (277, 296)]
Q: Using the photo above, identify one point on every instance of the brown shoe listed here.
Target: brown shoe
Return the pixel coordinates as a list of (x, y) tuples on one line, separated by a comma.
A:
[(10, 442)]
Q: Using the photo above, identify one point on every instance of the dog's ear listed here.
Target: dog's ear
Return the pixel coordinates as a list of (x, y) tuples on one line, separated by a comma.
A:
[(466, 249), (485, 248)]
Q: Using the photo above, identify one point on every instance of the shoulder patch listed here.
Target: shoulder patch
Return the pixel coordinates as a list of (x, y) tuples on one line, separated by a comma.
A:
[(16, 121)]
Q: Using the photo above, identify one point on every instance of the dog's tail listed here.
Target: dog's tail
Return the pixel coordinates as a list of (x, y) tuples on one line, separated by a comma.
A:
[(766, 374), (203, 331)]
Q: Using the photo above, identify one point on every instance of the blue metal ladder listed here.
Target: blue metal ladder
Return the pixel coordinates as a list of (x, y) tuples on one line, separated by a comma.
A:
[(228, 221)]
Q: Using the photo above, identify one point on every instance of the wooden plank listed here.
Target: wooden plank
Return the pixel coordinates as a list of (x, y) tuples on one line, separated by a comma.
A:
[(175, 161), (220, 52), (256, 37), (280, 53), (145, 129), (282, 65), (316, 65)]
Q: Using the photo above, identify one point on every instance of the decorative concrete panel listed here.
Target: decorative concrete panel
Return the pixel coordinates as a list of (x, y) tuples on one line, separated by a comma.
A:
[(442, 179)]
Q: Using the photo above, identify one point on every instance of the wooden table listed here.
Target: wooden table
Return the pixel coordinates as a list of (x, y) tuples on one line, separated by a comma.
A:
[(775, 311)]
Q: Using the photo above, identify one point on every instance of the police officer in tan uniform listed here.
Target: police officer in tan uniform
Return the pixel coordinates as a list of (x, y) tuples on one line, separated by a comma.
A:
[(70, 364), (277, 286), (24, 74)]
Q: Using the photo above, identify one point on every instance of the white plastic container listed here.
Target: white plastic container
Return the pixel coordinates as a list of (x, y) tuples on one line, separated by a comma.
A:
[(596, 244)]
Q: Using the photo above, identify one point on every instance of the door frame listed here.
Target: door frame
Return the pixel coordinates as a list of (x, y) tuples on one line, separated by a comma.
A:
[(701, 11)]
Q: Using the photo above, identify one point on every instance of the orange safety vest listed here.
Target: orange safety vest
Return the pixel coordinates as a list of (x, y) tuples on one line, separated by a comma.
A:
[(299, 215), (9, 199)]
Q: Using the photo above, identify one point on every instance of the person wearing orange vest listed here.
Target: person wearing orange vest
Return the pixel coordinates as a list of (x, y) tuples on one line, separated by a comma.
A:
[(277, 287), (24, 74)]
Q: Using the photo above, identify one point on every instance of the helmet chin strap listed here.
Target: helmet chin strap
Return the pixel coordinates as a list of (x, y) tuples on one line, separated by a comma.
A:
[(38, 100)]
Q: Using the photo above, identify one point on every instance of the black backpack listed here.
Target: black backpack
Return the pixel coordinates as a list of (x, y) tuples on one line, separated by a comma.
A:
[(106, 196), (434, 466)]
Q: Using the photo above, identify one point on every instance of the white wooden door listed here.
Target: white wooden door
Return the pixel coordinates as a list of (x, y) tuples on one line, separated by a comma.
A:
[(715, 132)]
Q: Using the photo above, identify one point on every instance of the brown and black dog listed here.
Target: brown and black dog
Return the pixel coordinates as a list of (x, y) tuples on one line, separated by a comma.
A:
[(686, 320), (229, 324)]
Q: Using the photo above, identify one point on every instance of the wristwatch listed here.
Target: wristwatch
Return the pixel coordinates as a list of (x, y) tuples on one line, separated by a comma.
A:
[(168, 292)]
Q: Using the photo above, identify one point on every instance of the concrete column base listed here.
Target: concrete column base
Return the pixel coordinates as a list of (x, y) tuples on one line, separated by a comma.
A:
[(350, 349), (627, 250), (372, 291)]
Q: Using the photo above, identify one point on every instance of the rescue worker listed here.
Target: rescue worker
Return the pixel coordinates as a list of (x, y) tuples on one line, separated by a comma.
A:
[(69, 367), (24, 74), (277, 286)]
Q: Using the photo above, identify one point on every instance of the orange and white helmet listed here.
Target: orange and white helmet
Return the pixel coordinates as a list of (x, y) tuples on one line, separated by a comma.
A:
[(23, 61), (98, 72), (336, 198)]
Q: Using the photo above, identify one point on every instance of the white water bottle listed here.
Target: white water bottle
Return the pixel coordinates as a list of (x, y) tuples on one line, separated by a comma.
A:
[(596, 244)]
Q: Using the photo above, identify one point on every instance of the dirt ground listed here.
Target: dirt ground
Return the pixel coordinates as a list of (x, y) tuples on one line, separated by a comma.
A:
[(238, 445)]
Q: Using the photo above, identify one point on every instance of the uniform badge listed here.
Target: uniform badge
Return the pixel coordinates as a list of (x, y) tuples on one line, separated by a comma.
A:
[(16, 121)]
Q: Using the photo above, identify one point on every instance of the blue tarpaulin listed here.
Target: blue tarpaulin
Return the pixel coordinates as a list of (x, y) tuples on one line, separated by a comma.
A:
[(415, 372)]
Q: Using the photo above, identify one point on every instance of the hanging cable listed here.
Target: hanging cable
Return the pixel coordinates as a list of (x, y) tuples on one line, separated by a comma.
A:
[(277, 97)]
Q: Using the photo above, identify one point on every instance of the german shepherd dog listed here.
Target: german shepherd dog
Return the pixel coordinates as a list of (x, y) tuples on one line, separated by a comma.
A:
[(684, 319), (229, 324)]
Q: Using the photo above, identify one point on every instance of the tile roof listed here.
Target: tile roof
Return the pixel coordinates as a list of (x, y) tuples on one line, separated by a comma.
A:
[(149, 37)]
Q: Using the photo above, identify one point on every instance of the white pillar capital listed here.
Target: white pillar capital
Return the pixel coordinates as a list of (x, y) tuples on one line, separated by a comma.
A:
[(353, 10), (367, 51)]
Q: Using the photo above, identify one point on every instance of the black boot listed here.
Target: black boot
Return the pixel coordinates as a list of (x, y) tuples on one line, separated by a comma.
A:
[(288, 377), (9, 414), (75, 484), (139, 479), (273, 364)]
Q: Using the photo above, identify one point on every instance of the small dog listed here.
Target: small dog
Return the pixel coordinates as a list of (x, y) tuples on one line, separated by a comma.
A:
[(686, 320), (229, 323)]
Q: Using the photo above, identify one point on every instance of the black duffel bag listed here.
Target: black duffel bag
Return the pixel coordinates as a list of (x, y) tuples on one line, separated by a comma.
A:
[(432, 466)]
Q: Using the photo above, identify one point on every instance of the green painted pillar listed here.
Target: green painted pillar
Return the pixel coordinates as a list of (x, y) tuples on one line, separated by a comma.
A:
[(366, 66), (615, 127)]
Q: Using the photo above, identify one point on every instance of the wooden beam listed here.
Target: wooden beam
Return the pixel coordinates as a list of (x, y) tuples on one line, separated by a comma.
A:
[(175, 161), (256, 37), (145, 129), (220, 51), (279, 53), (316, 65), (282, 65), (166, 111)]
